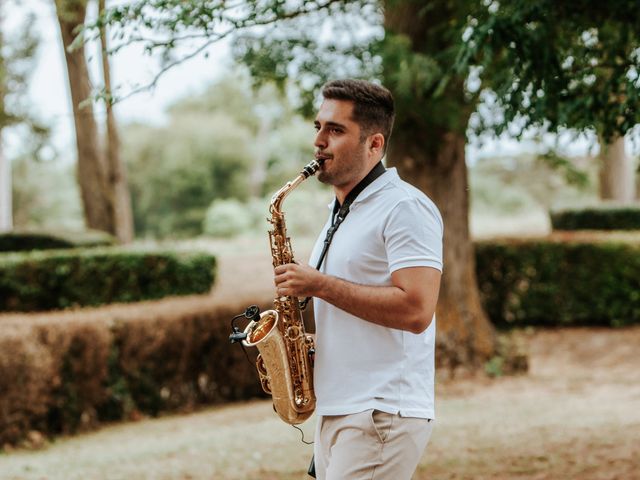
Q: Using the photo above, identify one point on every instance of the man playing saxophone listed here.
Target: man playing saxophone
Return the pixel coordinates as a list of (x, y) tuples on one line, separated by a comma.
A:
[(375, 295)]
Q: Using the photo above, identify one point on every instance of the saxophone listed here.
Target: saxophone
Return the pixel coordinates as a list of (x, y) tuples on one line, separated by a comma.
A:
[(284, 362)]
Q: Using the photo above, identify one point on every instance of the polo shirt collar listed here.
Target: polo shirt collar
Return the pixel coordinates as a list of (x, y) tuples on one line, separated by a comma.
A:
[(389, 176)]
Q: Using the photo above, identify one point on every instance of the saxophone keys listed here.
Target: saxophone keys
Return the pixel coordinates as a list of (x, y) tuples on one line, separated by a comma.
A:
[(293, 332)]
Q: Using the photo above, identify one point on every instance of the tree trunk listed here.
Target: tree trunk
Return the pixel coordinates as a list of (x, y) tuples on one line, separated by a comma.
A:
[(465, 335), (92, 168), (617, 173), (428, 149), (6, 210), (117, 177)]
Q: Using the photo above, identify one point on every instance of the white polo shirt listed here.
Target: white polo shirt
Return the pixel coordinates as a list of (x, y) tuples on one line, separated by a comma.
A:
[(360, 365)]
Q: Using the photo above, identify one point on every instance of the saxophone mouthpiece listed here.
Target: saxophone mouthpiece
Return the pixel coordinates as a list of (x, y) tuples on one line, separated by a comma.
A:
[(312, 167)]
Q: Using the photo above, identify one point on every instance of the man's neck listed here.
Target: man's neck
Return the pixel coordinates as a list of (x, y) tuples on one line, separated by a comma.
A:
[(343, 190)]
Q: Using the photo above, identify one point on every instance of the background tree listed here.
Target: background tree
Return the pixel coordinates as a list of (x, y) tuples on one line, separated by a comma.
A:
[(16, 55), (208, 151), (101, 176), (562, 65), (118, 187), (45, 195)]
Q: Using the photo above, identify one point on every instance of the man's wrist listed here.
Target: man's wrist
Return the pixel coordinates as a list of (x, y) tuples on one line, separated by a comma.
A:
[(322, 285)]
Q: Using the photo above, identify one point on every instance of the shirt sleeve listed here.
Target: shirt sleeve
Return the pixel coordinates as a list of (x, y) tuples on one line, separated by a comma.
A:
[(413, 235)]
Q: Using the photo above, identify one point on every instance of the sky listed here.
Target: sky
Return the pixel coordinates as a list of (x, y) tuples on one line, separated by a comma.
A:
[(49, 92)]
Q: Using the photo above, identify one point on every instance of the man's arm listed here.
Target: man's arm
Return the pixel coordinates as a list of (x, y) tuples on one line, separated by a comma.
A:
[(408, 304)]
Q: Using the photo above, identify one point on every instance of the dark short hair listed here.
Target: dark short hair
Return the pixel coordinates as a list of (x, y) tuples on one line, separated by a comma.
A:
[(373, 108)]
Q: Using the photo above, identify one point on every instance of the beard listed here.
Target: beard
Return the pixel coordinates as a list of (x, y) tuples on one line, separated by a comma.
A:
[(343, 169)]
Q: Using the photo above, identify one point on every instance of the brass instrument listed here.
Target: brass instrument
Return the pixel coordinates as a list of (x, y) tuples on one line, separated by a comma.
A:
[(284, 362)]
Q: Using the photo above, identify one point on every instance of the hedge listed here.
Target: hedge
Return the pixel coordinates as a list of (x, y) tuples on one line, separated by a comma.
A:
[(601, 217), (46, 280), (560, 281), (67, 372), (26, 240)]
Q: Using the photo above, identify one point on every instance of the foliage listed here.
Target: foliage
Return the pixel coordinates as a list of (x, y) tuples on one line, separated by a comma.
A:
[(175, 172), (45, 195), (211, 149), (227, 218), (305, 212), (600, 217), (557, 64), (176, 30), (511, 184), (16, 62), (25, 240), (560, 281), (85, 277), (511, 356)]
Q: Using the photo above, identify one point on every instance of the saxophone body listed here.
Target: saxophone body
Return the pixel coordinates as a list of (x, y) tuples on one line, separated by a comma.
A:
[(284, 362)]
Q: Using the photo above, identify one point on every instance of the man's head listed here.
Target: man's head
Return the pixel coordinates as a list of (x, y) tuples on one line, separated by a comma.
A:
[(352, 125), (373, 108)]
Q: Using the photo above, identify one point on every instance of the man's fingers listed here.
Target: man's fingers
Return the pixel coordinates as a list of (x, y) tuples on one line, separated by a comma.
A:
[(280, 269)]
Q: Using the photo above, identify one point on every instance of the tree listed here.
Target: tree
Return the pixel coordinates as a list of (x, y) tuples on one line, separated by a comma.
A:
[(208, 152), (418, 47), (6, 218), (563, 65), (101, 177), (15, 66), (117, 177)]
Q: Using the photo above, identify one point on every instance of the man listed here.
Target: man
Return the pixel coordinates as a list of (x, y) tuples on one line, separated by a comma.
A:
[(374, 297)]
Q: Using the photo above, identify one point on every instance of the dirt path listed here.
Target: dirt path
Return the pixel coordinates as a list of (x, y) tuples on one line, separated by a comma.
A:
[(576, 415)]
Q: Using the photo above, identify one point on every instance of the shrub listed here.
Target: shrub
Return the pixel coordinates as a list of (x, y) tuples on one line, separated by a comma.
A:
[(305, 213), (19, 241), (559, 282), (68, 278), (601, 217), (70, 371), (228, 218)]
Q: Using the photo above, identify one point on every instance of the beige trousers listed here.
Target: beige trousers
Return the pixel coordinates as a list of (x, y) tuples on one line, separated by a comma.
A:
[(370, 445)]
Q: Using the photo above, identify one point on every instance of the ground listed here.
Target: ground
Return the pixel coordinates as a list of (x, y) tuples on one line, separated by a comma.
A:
[(575, 415)]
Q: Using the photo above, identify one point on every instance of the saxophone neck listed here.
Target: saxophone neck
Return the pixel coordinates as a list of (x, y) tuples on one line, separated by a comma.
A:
[(309, 170)]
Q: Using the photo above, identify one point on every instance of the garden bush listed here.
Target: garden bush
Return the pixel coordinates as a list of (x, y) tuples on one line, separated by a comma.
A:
[(65, 372), (601, 217), (68, 278), (227, 218), (560, 281), (25, 240)]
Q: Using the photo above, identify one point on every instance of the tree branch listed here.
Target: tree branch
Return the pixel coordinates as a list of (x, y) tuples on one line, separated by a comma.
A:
[(235, 26)]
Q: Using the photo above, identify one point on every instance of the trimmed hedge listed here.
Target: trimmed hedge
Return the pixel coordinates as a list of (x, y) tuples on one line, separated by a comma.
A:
[(26, 240), (601, 217), (67, 372), (46, 280), (558, 281)]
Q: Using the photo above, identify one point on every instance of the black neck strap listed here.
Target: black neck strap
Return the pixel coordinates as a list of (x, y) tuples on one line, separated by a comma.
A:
[(340, 212)]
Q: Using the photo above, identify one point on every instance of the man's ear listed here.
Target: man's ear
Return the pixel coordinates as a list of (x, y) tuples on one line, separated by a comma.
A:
[(377, 142)]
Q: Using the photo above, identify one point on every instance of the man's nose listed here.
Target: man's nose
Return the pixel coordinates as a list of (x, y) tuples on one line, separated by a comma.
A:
[(321, 140)]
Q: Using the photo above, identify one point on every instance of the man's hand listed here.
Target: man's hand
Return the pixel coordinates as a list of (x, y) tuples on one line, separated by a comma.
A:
[(298, 280)]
